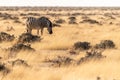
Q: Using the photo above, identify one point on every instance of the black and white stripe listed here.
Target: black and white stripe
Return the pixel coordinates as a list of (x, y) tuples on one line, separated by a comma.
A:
[(38, 23)]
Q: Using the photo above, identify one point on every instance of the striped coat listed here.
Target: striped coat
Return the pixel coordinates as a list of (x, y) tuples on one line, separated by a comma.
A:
[(38, 23)]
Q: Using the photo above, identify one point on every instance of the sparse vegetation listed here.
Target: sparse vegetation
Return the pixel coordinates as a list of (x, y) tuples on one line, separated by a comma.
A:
[(56, 25), (18, 47), (6, 16), (60, 61), (6, 37), (72, 20), (59, 21), (110, 16), (4, 69), (32, 14), (28, 38), (91, 55), (105, 44), (82, 45), (59, 56), (18, 62), (17, 21), (76, 14), (91, 21)]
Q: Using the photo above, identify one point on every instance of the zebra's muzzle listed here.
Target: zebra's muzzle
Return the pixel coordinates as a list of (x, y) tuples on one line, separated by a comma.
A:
[(50, 32)]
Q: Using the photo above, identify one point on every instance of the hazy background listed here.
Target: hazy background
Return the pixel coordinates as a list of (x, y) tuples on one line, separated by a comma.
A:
[(110, 3)]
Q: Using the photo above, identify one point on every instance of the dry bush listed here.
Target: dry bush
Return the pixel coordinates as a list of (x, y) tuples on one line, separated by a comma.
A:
[(105, 44), (56, 25), (76, 14), (33, 14), (91, 55), (5, 16), (17, 21), (18, 62), (27, 37), (84, 17), (18, 47), (72, 52), (23, 14), (59, 21), (6, 37), (60, 61), (72, 20), (25, 17), (91, 21), (4, 70), (82, 45), (14, 18), (109, 15), (2, 67), (54, 14)]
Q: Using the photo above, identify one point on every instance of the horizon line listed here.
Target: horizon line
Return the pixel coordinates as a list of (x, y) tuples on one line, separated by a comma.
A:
[(65, 6)]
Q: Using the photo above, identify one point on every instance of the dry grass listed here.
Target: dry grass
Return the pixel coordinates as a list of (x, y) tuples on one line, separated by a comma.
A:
[(59, 44)]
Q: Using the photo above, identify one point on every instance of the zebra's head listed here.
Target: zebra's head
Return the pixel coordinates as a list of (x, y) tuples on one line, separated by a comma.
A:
[(49, 28)]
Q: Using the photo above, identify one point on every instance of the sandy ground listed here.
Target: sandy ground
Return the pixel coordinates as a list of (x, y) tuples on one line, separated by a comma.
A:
[(61, 41)]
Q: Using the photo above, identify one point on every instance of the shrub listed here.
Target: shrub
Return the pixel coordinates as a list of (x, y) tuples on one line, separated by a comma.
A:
[(60, 21), (22, 14), (104, 44), (60, 60), (85, 17), (109, 15), (17, 21), (91, 55), (82, 45), (6, 37), (18, 47), (4, 69), (5, 16), (27, 37), (72, 20), (33, 14), (76, 14), (19, 62), (72, 52), (91, 21), (56, 25)]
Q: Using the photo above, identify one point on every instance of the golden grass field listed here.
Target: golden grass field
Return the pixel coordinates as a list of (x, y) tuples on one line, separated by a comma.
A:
[(60, 42)]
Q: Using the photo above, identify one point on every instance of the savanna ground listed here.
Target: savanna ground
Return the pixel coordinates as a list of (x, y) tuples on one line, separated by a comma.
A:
[(87, 25)]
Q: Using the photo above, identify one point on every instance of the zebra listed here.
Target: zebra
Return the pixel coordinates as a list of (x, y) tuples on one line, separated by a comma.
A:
[(38, 23)]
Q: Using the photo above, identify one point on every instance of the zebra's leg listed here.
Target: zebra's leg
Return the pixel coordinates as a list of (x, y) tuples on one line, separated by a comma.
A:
[(37, 31), (41, 31), (30, 31)]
